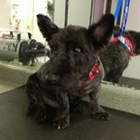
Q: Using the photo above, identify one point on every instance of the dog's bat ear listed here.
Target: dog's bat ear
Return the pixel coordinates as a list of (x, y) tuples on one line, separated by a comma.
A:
[(46, 26), (100, 32)]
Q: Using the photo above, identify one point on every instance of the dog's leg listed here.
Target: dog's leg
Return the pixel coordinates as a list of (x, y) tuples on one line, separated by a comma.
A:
[(76, 106), (37, 107), (38, 110), (116, 78), (97, 111), (62, 119)]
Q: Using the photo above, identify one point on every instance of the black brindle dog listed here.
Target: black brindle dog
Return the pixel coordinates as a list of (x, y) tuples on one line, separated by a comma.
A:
[(116, 56), (72, 72)]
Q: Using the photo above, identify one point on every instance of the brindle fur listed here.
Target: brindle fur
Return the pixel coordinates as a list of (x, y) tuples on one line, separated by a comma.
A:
[(62, 81)]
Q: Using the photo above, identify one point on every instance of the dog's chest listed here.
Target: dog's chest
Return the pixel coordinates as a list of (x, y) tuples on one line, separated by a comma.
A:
[(87, 84)]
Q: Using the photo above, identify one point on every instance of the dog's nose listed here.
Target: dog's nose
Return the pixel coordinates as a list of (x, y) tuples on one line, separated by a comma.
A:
[(52, 79)]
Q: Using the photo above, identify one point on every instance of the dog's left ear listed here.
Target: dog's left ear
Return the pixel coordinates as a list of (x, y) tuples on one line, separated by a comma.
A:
[(100, 32), (46, 26)]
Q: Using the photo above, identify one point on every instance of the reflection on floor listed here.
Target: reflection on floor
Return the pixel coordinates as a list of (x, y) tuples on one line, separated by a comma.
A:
[(130, 82), (6, 86), (13, 75)]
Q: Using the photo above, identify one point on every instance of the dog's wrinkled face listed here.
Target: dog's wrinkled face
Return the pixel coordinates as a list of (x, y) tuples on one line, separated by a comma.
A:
[(74, 48)]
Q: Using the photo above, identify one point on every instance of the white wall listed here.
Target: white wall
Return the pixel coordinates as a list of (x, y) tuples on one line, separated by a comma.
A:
[(39, 7), (5, 13), (79, 12), (59, 12)]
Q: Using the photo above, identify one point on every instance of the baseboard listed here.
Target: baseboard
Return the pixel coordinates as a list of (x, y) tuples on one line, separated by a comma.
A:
[(130, 82), (16, 73)]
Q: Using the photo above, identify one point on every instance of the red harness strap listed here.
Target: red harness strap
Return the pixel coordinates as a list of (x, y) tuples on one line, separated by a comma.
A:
[(95, 69), (113, 40), (126, 42)]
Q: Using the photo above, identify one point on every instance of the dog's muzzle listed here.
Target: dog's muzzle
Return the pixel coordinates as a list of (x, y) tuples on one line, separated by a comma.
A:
[(52, 79)]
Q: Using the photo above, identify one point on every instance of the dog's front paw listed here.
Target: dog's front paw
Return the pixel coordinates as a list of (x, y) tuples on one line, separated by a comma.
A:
[(62, 123), (101, 115), (41, 117)]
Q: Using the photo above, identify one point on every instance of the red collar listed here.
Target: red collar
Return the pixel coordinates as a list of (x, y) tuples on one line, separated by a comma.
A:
[(126, 42), (95, 69)]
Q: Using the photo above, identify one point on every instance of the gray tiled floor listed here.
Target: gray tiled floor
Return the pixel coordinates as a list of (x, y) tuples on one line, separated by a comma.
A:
[(15, 125)]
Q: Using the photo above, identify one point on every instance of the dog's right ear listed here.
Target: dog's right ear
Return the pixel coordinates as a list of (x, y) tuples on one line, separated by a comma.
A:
[(100, 32), (46, 26)]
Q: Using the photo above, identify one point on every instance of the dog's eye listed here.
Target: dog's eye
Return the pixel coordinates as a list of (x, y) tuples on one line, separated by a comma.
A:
[(76, 49), (73, 46), (54, 48)]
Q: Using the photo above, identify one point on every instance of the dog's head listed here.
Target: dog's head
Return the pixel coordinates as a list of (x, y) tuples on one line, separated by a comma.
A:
[(135, 38), (74, 48)]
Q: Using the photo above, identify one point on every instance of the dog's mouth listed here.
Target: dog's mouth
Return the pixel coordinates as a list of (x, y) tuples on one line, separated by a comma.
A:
[(52, 80), (53, 83), (65, 82)]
